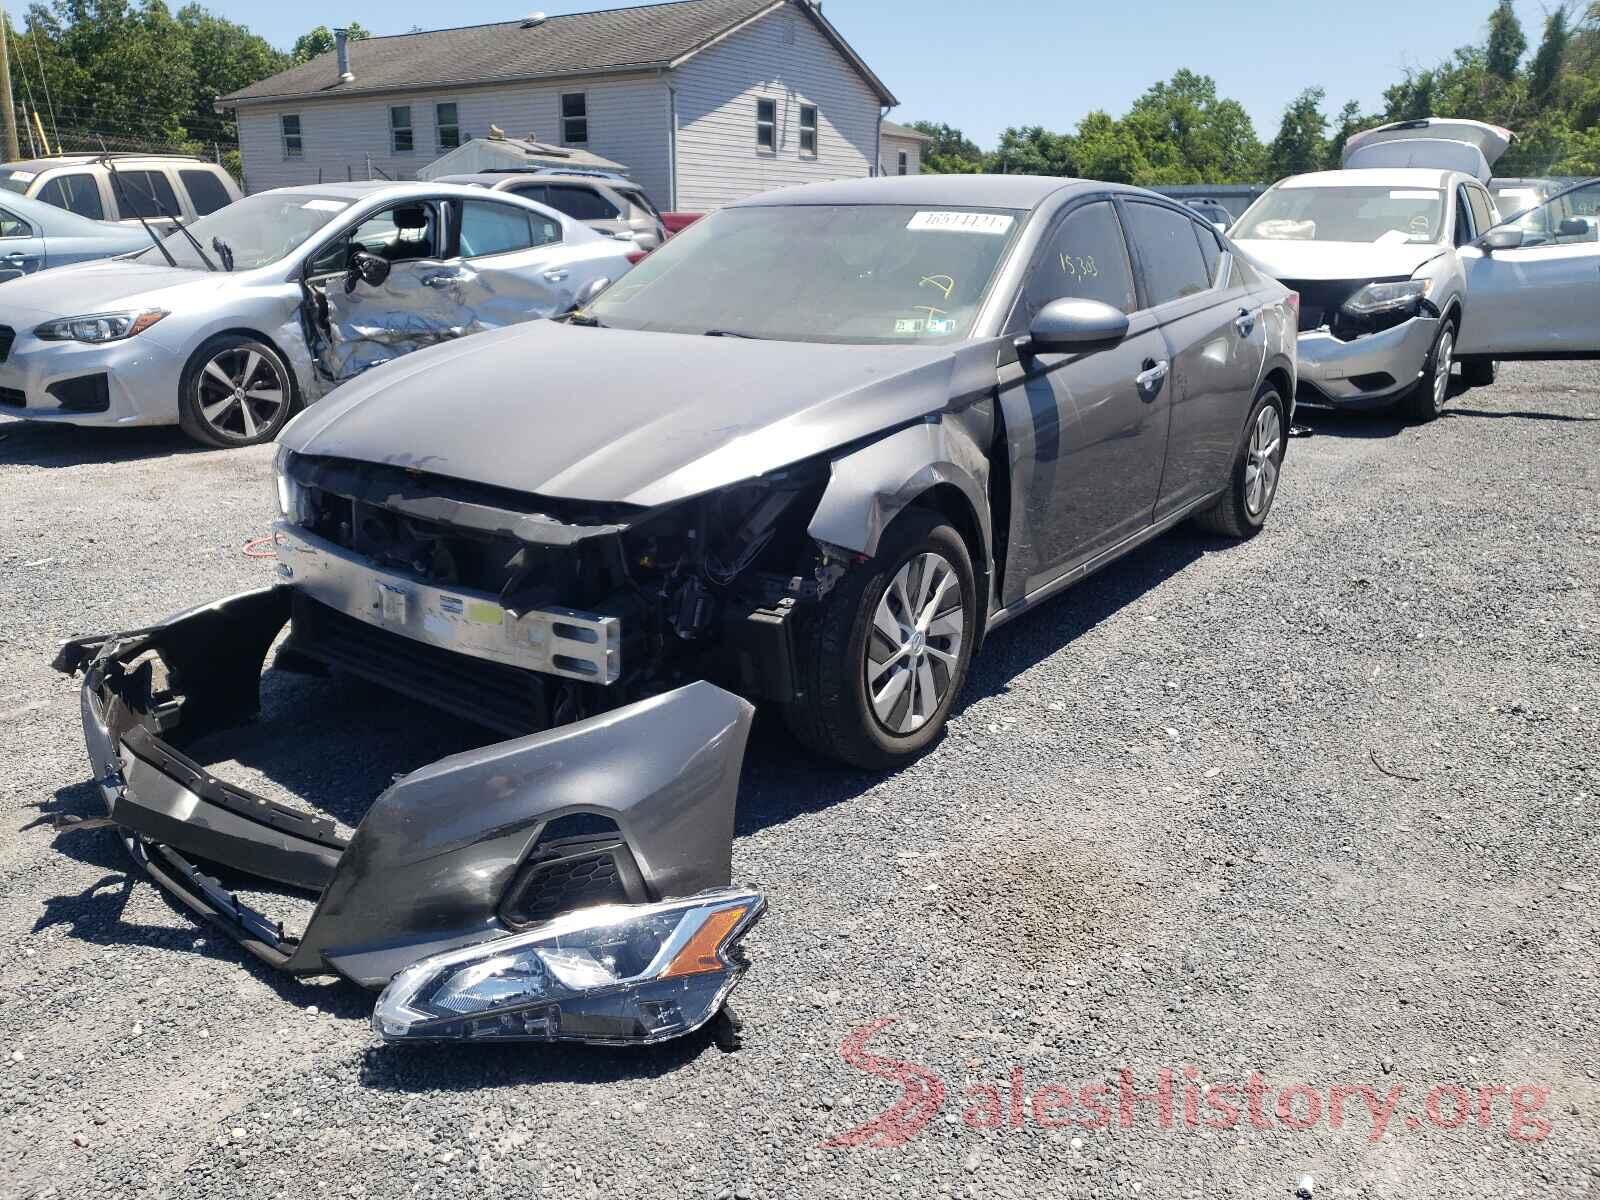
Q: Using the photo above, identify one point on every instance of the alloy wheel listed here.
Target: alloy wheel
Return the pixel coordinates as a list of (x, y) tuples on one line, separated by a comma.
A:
[(241, 392), (914, 647), (1261, 463), (1444, 359)]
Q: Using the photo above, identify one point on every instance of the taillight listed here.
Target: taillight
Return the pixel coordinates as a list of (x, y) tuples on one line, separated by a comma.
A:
[(635, 257), (1293, 301)]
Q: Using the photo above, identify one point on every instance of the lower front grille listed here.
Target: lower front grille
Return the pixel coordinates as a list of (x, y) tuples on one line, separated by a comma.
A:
[(8, 335), (13, 397), (505, 698)]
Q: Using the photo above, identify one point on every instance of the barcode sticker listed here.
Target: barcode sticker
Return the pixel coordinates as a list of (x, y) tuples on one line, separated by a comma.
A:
[(961, 222)]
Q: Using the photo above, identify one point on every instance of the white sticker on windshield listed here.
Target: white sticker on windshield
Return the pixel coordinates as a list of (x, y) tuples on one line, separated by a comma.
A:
[(961, 222), (1404, 195), (326, 205)]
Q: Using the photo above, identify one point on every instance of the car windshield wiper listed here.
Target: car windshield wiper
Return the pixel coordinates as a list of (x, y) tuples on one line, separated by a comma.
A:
[(735, 333), (224, 252), (155, 203), (577, 317)]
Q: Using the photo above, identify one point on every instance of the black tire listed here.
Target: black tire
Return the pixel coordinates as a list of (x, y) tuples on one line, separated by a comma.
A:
[(1242, 510), (208, 414), (834, 716), (1478, 370), (1426, 400)]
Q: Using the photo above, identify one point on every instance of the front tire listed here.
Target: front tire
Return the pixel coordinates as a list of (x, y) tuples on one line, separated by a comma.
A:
[(1426, 400), (885, 655), (1242, 510), (236, 391)]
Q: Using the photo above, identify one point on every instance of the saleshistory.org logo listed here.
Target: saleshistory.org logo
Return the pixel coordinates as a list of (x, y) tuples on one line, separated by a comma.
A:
[(1178, 1097)]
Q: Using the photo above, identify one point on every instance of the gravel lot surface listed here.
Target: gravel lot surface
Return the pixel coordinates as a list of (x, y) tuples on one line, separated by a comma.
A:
[(1321, 807)]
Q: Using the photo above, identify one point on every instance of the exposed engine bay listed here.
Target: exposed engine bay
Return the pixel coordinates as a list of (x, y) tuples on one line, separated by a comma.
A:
[(545, 612)]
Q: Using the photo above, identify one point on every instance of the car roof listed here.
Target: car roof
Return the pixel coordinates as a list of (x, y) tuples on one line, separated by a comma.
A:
[(37, 165), (968, 191), (59, 220), (1395, 177), (378, 189), (495, 178)]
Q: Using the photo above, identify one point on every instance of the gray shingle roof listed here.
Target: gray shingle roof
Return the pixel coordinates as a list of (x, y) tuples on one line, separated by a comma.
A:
[(890, 129), (618, 39)]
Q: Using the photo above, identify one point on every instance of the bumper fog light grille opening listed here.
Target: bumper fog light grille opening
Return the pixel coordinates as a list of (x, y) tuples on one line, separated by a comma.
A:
[(85, 394), (1376, 381)]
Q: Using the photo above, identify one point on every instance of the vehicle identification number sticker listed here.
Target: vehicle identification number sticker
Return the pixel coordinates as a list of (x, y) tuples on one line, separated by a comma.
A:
[(392, 601), (961, 222)]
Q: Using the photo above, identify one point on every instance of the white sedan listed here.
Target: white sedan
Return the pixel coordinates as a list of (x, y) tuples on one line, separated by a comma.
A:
[(226, 327)]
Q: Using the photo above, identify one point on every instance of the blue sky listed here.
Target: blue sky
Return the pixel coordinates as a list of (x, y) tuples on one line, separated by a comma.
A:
[(984, 64)]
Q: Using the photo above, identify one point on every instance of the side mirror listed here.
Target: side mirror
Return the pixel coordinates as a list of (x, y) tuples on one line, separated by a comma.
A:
[(367, 268), (1573, 227), (1506, 237), (1072, 324)]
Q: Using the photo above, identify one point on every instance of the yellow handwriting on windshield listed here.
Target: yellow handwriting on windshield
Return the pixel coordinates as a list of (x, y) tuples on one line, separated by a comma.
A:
[(944, 283)]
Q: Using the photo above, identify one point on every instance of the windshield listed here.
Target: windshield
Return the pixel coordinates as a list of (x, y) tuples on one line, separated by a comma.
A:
[(257, 230), (879, 274), (15, 181), (1345, 214), (1514, 201)]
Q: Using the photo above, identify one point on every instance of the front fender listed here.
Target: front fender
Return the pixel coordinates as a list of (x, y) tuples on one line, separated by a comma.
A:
[(869, 487)]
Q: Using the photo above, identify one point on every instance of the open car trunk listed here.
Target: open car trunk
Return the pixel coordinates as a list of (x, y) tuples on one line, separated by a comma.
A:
[(632, 806)]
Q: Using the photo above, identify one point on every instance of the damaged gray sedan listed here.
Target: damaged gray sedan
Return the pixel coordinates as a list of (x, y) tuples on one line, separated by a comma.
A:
[(809, 454)]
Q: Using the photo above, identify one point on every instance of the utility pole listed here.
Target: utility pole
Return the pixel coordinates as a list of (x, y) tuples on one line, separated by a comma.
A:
[(12, 152)]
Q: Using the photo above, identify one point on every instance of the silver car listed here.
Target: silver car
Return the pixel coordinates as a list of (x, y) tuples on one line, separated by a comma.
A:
[(35, 236), (608, 204), (227, 326), (1404, 270)]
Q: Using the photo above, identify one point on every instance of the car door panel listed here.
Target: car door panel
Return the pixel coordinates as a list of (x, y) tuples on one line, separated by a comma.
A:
[(1085, 440), (1541, 299)]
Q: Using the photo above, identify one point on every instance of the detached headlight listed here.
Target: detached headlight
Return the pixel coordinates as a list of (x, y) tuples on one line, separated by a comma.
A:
[(612, 974), (1378, 298), (100, 327)]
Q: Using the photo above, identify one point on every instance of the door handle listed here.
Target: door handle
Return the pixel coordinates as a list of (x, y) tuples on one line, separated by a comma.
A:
[(1152, 377), (1244, 323), (555, 276), (441, 279), (16, 259)]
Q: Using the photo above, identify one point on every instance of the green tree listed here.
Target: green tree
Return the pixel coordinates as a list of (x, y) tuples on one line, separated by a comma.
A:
[(224, 57), (951, 153), (1033, 150), (1302, 143), (1107, 149), (1351, 122), (1507, 42), (1545, 68), (1188, 134), (320, 41)]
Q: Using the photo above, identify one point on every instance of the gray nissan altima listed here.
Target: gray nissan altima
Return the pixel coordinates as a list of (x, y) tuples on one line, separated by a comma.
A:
[(811, 451)]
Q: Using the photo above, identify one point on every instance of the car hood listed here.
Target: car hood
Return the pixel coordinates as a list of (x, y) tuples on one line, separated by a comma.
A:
[(97, 287), (1288, 258), (614, 415)]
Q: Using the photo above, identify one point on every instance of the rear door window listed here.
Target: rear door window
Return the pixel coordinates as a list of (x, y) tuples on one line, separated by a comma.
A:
[(205, 191), (1084, 257), (582, 204), (488, 228), (145, 194), (12, 226), (1169, 251), (78, 193), (531, 191)]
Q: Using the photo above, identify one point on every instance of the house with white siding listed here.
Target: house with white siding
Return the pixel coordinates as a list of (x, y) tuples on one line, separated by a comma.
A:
[(900, 149), (704, 101)]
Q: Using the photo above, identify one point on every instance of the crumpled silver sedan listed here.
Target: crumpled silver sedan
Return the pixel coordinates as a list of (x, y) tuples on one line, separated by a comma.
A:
[(226, 327)]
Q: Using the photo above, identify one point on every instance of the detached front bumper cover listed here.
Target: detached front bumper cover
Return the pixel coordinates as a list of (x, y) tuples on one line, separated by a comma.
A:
[(467, 852)]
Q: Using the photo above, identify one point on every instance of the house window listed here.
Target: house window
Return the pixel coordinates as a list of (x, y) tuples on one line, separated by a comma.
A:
[(808, 129), (574, 119), (293, 147), (400, 139), (448, 125), (767, 124), (902, 163)]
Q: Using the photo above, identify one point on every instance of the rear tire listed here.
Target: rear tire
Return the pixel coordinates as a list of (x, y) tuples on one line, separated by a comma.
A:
[(885, 655), (236, 391), (1242, 510), (1426, 400), (1478, 370)]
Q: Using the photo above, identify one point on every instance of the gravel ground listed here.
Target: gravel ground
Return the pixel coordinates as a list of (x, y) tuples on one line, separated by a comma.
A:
[(1319, 807)]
